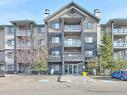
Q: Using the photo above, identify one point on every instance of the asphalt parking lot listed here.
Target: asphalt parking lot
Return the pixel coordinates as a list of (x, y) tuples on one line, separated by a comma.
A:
[(48, 85)]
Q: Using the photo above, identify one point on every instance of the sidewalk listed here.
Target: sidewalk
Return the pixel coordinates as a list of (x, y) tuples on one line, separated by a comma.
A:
[(82, 79), (74, 79)]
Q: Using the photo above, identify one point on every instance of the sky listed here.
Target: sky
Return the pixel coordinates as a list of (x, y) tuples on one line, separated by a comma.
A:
[(34, 9)]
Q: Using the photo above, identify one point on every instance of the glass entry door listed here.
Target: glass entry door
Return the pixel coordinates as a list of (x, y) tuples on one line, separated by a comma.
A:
[(71, 69)]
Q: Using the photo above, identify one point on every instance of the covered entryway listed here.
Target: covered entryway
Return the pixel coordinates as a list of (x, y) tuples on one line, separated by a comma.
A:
[(73, 69)]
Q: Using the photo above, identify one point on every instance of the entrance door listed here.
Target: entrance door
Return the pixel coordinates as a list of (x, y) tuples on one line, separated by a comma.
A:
[(75, 69), (71, 69)]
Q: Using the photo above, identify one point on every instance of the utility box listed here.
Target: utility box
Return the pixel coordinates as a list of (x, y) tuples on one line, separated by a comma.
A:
[(84, 74)]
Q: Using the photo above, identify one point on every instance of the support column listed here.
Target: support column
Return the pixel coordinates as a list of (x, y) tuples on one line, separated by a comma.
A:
[(15, 52), (82, 42), (62, 44), (32, 44)]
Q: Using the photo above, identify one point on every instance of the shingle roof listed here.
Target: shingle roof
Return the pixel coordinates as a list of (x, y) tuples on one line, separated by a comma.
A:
[(23, 21), (69, 4), (118, 20)]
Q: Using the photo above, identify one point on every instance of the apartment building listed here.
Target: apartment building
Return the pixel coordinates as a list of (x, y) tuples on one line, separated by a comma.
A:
[(118, 29), (2, 48), (17, 40), (73, 35)]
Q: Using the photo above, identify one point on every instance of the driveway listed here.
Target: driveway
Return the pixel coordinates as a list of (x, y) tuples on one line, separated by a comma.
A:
[(48, 85)]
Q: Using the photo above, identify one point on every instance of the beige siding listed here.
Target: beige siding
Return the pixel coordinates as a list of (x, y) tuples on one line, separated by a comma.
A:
[(2, 42), (90, 19)]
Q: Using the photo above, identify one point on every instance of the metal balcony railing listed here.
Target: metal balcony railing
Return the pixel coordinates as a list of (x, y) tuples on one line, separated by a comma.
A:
[(73, 56), (72, 43), (120, 31), (54, 58), (23, 45), (120, 44), (72, 28), (23, 33)]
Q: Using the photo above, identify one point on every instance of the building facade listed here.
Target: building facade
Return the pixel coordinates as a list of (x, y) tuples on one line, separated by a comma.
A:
[(73, 35), (17, 40), (2, 48), (118, 29)]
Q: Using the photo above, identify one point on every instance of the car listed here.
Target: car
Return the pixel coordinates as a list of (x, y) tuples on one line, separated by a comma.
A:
[(2, 73), (120, 74)]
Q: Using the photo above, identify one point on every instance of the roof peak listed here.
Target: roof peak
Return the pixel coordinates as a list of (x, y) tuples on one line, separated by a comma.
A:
[(75, 4)]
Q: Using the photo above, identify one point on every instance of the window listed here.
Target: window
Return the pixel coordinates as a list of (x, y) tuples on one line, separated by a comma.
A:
[(88, 25), (89, 53), (10, 55), (72, 12), (70, 41), (41, 42), (55, 25), (10, 67), (55, 53), (89, 40), (10, 30), (56, 67), (41, 30), (55, 39), (10, 42)]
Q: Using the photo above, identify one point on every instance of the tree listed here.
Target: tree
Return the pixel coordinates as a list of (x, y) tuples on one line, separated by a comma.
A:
[(40, 63), (119, 64), (106, 52), (93, 64)]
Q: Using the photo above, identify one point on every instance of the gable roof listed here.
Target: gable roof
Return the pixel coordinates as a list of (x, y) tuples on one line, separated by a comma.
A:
[(117, 20), (69, 4), (23, 21)]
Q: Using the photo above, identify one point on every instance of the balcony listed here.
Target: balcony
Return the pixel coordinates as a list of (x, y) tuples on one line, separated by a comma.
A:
[(72, 43), (23, 33), (120, 31), (54, 58), (73, 56), (72, 28), (120, 45), (122, 57), (23, 45)]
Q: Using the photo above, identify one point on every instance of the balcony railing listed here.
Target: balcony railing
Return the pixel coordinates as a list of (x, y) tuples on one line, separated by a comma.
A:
[(23, 45), (54, 59), (73, 56), (23, 33), (120, 57), (122, 31), (73, 43), (120, 44), (72, 28)]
